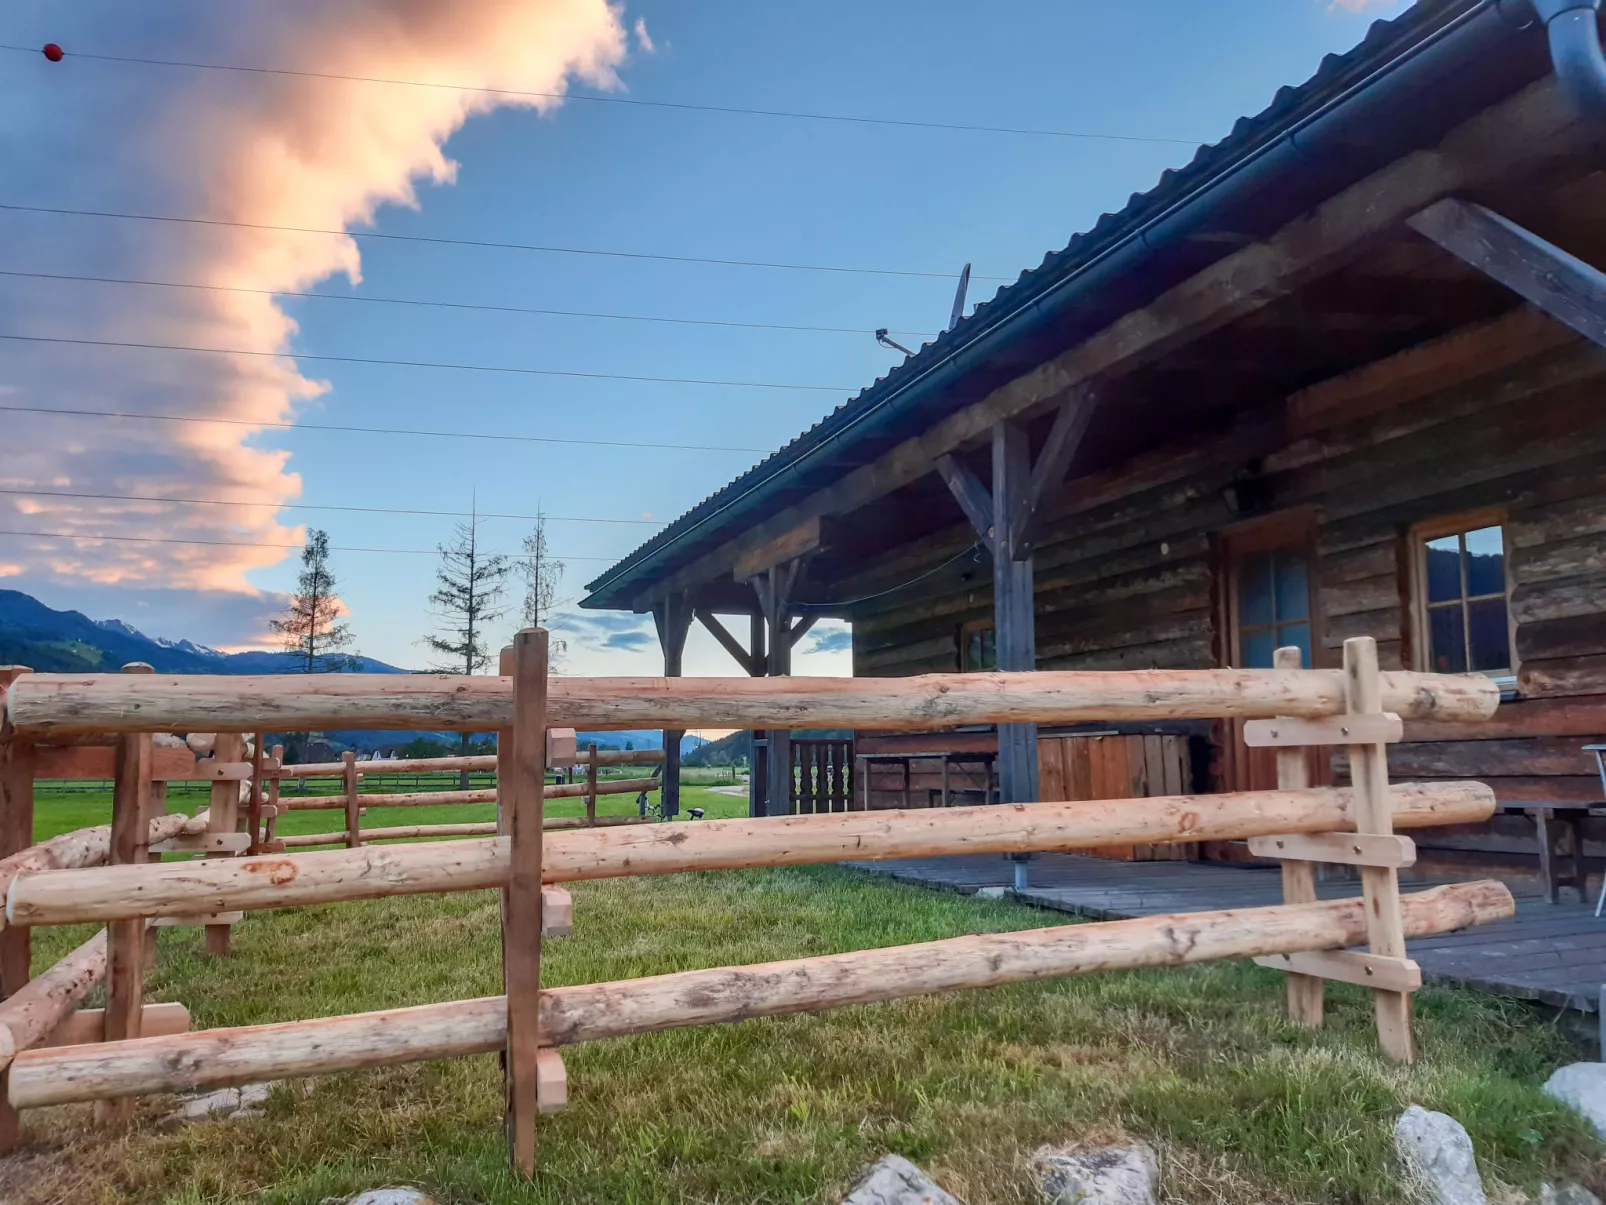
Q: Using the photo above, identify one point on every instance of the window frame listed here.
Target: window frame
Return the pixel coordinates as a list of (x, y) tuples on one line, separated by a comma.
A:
[(1295, 528), (1419, 536), (966, 630)]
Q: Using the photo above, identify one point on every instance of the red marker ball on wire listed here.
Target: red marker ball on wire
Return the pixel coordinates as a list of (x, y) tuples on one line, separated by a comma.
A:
[(53, 52)]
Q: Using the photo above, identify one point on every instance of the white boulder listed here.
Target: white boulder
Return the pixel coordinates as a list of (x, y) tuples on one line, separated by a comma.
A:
[(1582, 1086), (1114, 1175), (1437, 1152), (1566, 1194), (391, 1196), (895, 1181)]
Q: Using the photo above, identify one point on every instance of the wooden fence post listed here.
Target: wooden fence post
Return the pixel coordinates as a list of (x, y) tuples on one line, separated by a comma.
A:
[(522, 792), (591, 784), (273, 794), (1380, 885), (223, 817), (348, 776), (253, 810), (1305, 992), (16, 835), (125, 939)]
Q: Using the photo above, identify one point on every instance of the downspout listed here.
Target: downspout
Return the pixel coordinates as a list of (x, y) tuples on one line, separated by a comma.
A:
[(1576, 54)]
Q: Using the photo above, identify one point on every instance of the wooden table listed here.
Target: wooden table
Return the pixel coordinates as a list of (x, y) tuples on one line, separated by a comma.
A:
[(1551, 819)]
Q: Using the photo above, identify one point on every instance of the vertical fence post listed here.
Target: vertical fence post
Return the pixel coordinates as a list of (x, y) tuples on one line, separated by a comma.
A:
[(223, 816), (348, 779), (16, 835), (125, 939), (1380, 885), (1305, 992), (273, 794), (591, 783), (523, 794), (253, 811)]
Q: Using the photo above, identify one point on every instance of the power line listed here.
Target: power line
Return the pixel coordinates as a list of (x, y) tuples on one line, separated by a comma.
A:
[(72, 535), (362, 510), (796, 115), (499, 438), (453, 305), (550, 249), (494, 368)]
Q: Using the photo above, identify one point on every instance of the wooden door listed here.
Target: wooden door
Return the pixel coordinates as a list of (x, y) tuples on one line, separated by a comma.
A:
[(1270, 596)]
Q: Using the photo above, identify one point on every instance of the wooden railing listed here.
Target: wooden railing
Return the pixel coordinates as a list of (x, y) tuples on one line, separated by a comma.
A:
[(529, 1023)]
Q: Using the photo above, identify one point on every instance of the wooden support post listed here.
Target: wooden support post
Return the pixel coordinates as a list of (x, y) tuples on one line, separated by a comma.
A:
[(758, 784), (223, 813), (672, 616), (273, 795), (17, 761), (1380, 885), (1305, 992), (521, 911), (253, 811), (125, 939), (348, 761), (591, 783), (1015, 635), (774, 587)]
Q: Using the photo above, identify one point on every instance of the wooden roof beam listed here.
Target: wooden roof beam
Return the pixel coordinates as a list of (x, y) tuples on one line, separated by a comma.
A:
[(1562, 285)]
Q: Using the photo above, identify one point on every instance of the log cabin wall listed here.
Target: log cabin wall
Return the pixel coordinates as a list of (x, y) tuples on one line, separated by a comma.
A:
[(1507, 421)]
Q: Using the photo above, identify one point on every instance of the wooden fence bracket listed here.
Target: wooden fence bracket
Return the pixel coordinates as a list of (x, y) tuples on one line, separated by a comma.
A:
[(204, 843), (1342, 849), (1350, 966), (551, 1081), (1384, 728), (557, 912)]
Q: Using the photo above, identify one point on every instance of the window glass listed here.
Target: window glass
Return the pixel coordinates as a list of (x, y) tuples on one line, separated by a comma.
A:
[(1258, 646), (1444, 569), (1255, 595), (1291, 590), (1447, 640), (1488, 635), (1297, 634), (978, 649), (1486, 562)]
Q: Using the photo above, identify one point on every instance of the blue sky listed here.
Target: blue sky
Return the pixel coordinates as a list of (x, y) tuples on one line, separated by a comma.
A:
[(608, 177)]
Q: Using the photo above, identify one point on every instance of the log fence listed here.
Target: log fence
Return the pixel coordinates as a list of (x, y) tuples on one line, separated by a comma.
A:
[(528, 859)]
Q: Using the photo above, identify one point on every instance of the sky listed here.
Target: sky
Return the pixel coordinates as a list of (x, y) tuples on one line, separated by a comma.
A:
[(871, 223)]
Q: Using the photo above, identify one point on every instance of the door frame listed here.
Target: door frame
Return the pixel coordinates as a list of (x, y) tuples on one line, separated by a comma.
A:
[(1298, 526)]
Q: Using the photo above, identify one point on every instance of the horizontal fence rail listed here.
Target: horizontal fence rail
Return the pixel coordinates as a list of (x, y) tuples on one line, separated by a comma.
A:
[(275, 881), (41, 706), (568, 1015), (436, 831), (474, 764)]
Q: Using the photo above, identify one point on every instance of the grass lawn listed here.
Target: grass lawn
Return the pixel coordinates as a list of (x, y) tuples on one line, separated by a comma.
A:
[(1242, 1106)]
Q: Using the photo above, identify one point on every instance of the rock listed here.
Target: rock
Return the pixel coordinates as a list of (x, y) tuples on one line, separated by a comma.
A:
[(225, 1102), (991, 893), (895, 1181), (1566, 1194), (391, 1196), (1582, 1086), (1437, 1152), (1114, 1175)]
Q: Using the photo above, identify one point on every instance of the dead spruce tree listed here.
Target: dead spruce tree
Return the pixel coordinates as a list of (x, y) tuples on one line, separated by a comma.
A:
[(541, 573), (467, 600)]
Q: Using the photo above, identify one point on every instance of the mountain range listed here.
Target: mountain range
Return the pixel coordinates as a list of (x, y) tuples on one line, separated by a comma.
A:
[(68, 642)]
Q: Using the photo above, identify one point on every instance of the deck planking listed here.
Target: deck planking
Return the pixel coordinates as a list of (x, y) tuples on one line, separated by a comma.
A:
[(1550, 953)]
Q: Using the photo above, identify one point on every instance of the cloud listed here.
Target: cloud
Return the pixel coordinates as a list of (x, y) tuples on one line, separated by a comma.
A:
[(601, 631), (643, 38), (830, 640), (244, 148)]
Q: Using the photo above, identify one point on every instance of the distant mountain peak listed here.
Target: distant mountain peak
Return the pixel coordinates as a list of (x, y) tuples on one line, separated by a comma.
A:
[(124, 628)]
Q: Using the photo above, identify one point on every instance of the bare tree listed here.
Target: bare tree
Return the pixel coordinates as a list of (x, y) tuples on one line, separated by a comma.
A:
[(467, 599), (541, 573), (310, 627)]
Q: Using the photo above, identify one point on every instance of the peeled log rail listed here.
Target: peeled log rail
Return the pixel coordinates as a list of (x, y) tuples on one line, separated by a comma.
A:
[(423, 799), (89, 847), (433, 765), (220, 1057), (41, 1005), (279, 881), (417, 831), (53, 705)]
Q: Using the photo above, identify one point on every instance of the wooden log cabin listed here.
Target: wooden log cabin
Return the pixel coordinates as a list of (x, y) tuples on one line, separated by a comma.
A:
[(1342, 374)]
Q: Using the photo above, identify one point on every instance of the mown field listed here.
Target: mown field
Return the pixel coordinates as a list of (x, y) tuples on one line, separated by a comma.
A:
[(1242, 1106)]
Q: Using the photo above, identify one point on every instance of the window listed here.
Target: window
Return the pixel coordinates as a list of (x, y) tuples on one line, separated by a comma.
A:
[(1273, 603), (978, 646), (1463, 620)]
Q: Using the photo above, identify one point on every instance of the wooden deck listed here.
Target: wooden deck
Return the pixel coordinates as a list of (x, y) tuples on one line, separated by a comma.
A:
[(1552, 953)]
